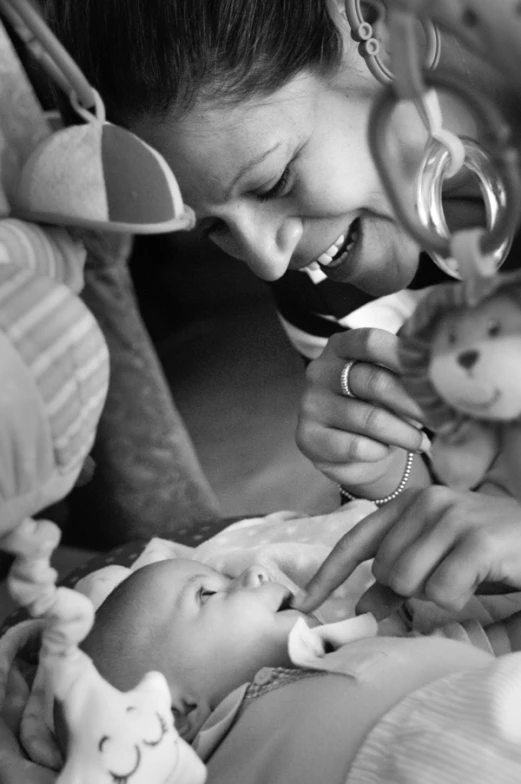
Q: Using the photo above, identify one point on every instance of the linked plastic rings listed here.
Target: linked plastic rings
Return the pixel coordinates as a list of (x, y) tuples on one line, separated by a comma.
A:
[(432, 174)]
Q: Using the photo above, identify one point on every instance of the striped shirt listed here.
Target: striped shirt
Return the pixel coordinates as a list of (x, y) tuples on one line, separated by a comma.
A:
[(312, 307)]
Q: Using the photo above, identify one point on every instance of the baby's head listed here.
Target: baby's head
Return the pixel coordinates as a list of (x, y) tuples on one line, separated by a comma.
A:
[(206, 632)]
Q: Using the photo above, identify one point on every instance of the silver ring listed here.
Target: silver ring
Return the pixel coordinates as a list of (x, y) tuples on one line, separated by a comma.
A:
[(344, 378)]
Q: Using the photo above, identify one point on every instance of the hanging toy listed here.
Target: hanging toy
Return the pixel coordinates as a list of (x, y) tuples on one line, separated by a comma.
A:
[(93, 175), (54, 371), (461, 349)]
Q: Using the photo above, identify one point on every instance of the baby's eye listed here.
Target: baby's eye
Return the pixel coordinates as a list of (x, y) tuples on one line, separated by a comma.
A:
[(203, 594)]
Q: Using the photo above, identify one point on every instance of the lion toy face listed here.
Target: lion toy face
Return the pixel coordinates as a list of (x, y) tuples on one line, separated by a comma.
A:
[(475, 359)]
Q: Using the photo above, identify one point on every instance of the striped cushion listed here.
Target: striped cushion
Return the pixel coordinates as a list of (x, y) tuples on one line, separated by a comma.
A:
[(62, 345), (49, 251)]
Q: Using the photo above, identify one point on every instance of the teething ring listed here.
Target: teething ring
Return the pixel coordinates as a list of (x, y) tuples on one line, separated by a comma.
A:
[(501, 151), (434, 169)]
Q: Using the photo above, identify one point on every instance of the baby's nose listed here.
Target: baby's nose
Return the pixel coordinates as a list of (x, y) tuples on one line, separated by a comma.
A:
[(253, 577)]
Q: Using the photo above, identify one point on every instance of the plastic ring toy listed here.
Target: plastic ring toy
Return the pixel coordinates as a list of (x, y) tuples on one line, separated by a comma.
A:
[(433, 172)]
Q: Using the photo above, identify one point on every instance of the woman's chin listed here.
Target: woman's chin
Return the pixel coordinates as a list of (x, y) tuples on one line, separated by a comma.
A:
[(385, 262)]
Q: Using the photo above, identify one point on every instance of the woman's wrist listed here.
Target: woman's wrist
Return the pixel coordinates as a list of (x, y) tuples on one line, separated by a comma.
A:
[(397, 472)]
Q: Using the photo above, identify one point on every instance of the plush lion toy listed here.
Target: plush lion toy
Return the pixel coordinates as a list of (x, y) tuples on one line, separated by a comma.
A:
[(461, 356)]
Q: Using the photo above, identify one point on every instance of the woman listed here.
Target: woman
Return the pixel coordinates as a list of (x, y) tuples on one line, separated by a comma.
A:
[(261, 109)]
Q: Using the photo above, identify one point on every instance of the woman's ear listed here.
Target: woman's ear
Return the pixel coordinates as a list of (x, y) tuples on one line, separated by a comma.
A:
[(189, 714), (337, 13)]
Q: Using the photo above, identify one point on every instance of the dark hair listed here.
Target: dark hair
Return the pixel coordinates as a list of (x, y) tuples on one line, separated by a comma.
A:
[(154, 56)]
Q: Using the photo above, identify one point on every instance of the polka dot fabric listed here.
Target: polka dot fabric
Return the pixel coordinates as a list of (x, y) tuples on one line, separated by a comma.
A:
[(125, 555)]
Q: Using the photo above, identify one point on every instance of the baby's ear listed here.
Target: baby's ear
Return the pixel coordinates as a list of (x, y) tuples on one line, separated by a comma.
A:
[(189, 714)]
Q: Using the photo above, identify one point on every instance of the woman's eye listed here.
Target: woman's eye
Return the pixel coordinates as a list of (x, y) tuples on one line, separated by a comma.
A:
[(279, 189)]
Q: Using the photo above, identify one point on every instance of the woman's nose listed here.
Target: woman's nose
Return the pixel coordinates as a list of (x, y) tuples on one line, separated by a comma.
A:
[(266, 242), (252, 577)]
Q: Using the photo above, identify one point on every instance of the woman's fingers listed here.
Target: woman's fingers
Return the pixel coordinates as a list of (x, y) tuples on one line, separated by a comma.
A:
[(331, 428), (380, 600), (416, 544), (369, 379), (376, 346), (375, 384), (358, 545), (453, 583)]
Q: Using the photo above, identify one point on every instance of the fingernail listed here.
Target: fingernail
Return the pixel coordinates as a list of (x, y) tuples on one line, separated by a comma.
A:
[(297, 598), (425, 443)]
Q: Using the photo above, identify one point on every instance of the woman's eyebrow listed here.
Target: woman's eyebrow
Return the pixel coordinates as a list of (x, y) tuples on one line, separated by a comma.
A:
[(249, 165)]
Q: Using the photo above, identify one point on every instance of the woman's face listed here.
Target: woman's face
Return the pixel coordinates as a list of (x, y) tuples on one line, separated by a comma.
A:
[(285, 181)]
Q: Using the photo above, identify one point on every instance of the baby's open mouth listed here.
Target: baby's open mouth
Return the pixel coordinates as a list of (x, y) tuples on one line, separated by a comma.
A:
[(286, 605), (286, 602), (343, 245)]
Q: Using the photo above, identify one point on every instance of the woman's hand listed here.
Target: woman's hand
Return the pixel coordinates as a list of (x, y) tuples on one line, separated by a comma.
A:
[(436, 544), (352, 440)]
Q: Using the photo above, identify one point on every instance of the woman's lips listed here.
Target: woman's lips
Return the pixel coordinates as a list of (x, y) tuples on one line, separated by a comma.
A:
[(345, 248), (383, 260)]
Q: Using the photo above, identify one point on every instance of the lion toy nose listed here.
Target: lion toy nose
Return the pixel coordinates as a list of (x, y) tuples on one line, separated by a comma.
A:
[(468, 359)]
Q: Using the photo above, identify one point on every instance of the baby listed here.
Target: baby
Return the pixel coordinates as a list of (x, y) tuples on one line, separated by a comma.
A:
[(258, 708)]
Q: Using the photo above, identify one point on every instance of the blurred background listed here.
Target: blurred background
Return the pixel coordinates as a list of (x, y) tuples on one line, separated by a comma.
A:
[(232, 371)]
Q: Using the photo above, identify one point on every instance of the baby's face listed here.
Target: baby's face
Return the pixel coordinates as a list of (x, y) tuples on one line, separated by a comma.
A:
[(219, 629)]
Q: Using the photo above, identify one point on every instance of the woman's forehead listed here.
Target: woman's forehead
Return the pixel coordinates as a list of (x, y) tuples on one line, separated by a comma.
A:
[(209, 147)]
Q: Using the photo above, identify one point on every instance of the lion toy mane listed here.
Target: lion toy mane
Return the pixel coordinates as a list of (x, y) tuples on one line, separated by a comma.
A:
[(461, 358)]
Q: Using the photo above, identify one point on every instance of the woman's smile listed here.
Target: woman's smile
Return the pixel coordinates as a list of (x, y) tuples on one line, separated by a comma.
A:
[(287, 181)]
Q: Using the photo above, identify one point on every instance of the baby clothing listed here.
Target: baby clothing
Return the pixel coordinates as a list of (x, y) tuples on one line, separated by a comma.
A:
[(287, 726)]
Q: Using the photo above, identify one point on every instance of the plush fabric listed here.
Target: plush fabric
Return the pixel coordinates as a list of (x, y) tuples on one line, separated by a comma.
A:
[(290, 546)]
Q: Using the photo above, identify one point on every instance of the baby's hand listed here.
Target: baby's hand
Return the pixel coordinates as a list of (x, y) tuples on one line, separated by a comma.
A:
[(350, 439), (434, 543)]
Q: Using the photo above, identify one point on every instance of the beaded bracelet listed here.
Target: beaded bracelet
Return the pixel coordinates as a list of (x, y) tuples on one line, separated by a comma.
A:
[(399, 489)]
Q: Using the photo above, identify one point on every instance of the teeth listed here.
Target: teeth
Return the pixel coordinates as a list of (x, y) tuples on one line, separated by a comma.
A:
[(326, 259), (338, 244), (328, 256)]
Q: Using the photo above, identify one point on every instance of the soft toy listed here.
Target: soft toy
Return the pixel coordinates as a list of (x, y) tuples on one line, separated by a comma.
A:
[(461, 356), (53, 382)]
